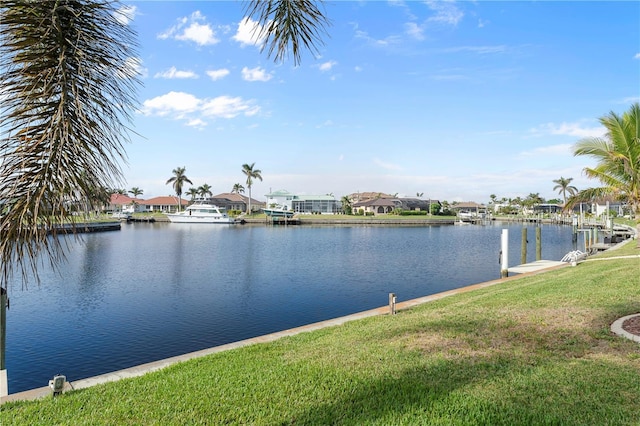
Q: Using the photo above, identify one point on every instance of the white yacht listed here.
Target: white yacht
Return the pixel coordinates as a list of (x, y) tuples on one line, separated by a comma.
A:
[(201, 212)]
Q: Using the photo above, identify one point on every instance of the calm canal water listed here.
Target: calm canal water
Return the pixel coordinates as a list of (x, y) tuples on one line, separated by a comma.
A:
[(152, 291)]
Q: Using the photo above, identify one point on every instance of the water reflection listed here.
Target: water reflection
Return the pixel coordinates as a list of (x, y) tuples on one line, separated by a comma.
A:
[(152, 291)]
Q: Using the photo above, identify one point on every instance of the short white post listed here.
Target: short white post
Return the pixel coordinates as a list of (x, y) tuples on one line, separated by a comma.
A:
[(4, 383), (504, 254), (392, 303)]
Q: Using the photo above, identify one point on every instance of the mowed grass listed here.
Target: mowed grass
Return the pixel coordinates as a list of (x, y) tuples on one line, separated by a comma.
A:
[(531, 351)]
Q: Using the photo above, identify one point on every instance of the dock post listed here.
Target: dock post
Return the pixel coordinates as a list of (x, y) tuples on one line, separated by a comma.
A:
[(523, 250), (504, 254), (538, 243), (392, 303)]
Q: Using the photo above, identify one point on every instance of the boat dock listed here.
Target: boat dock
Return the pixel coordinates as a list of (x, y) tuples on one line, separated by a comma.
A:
[(273, 220), (536, 266)]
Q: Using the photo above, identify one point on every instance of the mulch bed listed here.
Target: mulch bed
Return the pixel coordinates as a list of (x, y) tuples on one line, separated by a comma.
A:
[(632, 325)]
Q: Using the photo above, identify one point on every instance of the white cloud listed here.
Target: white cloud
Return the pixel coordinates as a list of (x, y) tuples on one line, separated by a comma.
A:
[(193, 28), (385, 165), (175, 103), (197, 123), (255, 74), (327, 66), (228, 107), (327, 123), (637, 56), (248, 33), (185, 106), (175, 73), (446, 12), (414, 30), (392, 40), (218, 74), (480, 50), (126, 14), (544, 151), (570, 129)]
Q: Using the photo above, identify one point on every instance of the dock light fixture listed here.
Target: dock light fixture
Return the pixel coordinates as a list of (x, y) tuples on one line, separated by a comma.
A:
[(57, 384)]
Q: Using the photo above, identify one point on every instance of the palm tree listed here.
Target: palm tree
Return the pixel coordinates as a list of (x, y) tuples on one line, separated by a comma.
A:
[(618, 156), (251, 174), (178, 179), (135, 191), (193, 193), (563, 186), (347, 208), (237, 188), (204, 190), (67, 101), (68, 94)]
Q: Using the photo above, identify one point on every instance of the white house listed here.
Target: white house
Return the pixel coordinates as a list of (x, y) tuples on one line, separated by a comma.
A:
[(318, 204)]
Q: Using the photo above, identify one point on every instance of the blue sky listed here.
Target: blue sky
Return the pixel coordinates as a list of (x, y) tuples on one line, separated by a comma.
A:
[(455, 100)]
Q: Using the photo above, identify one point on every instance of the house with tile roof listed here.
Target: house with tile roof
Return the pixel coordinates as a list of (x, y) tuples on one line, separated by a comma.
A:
[(163, 204), (124, 203), (235, 201), (376, 206)]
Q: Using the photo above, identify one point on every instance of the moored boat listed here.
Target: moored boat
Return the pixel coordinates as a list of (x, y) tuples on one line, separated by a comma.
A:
[(278, 211), (201, 212)]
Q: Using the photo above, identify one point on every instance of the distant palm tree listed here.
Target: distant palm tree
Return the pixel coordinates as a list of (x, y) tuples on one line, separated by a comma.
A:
[(237, 188), (135, 191), (347, 208), (204, 190), (618, 156), (563, 186), (251, 174), (193, 193), (178, 180)]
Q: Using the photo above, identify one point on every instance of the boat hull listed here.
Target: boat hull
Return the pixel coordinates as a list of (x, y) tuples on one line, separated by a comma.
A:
[(278, 213), (182, 218)]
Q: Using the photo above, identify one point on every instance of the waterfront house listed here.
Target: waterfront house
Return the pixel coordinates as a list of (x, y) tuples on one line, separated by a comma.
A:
[(546, 208), (123, 203), (234, 201), (165, 204), (304, 204), (608, 205), (358, 197), (418, 204), (376, 206), (469, 209)]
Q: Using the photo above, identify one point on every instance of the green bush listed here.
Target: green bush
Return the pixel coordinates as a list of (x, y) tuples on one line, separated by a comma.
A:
[(413, 213)]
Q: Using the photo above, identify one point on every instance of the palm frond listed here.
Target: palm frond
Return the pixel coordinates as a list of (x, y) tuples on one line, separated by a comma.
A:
[(68, 96), (288, 26)]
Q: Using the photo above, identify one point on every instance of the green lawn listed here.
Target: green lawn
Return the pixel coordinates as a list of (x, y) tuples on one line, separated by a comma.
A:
[(530, 351)]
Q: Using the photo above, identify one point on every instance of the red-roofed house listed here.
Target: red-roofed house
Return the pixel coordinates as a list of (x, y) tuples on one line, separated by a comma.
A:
[(165, 204), (124, 203)]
